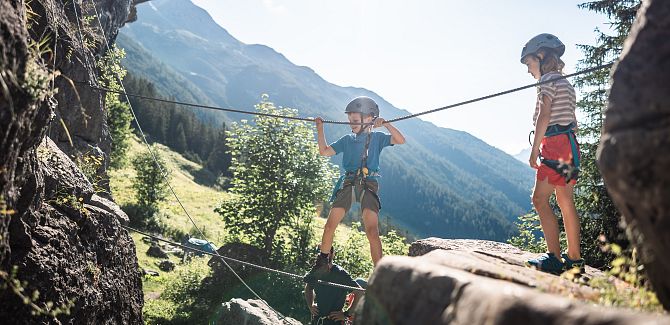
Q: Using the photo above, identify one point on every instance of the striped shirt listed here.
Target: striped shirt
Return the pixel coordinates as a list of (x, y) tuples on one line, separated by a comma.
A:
[(563, 99)]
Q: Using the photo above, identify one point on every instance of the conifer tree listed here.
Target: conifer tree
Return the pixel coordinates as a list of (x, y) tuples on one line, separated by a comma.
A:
[(598, 213)]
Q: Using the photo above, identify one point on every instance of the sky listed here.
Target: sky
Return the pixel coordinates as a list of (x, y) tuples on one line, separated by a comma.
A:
[(422, 54)]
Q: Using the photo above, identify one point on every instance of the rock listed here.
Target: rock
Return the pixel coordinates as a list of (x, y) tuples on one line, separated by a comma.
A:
[(251, 312), (166, 266), (156, 251), (66, 243), (150, 272), (423, 246), (109, 206), (221, 275), (499, 261), (634, 153), (150, 240), (479, 282)]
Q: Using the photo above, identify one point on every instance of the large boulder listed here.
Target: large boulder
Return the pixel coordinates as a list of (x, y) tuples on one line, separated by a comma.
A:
[(480, 282), (71, 247), (63, 240), (221, 275), (634, 153), (251, 312)]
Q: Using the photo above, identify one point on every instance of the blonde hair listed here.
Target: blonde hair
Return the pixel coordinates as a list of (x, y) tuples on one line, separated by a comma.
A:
[(550, 61)]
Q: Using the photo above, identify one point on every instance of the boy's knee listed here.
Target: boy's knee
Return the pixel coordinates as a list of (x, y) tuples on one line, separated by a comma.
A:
[(372, 230)]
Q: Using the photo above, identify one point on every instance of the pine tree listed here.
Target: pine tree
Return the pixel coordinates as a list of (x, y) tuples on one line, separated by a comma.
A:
[(599, 216), (219, 159), (179, 141)]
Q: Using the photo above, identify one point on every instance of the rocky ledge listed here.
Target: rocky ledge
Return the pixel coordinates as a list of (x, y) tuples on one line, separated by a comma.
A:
[(481, 282)]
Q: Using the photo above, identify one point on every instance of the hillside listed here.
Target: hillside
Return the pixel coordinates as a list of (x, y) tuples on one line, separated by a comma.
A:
[(444, 182)]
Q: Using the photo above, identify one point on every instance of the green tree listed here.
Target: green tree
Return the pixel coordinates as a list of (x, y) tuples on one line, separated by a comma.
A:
[(278, 177), (150, 186), (599, 215), (119, 116)]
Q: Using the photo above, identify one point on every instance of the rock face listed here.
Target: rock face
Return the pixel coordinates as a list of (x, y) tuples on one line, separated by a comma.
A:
[(251, 312), (65, 241), (80, 107), (479, 282), (634, 155)]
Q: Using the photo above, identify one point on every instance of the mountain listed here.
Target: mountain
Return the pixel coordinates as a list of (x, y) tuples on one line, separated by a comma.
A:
[(443, 182), (523, 155)]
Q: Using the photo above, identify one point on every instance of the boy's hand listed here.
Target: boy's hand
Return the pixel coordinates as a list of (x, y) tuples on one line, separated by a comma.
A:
[(319, 122), (314, 310), (337, 315), (378, 122)]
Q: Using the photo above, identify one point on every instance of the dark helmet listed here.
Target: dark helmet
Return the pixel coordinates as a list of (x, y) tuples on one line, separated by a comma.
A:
[(542, 41), (364, 105)]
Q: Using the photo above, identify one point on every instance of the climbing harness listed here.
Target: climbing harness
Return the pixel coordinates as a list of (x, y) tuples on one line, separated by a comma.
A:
[(360, 179), (569, 170)]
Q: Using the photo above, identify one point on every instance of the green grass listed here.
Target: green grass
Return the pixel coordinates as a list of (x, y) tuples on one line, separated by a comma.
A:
[(199, 200)]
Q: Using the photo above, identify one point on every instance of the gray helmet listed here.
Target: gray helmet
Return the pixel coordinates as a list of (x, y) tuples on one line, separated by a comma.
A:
[(364, 105), (543, 40)]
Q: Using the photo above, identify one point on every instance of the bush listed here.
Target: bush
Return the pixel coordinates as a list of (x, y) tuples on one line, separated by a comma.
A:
[(150, 185)]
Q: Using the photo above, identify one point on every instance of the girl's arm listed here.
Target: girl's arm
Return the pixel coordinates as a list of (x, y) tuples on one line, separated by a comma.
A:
[(541, 125)]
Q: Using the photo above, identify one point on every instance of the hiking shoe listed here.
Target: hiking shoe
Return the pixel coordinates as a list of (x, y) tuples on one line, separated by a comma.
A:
[(570, 264), (319, 268), (547, 262)]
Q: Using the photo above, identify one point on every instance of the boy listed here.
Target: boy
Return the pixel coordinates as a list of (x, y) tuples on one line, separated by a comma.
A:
[(325, 302), (360, 181)]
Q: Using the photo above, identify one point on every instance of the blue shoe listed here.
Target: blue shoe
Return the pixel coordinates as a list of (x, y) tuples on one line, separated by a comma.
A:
[(547, 262), (570, 264)]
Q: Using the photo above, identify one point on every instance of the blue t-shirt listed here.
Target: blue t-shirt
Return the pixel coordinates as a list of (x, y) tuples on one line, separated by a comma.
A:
[(352, 146)]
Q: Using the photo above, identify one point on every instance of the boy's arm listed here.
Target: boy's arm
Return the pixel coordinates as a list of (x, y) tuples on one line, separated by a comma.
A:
[(396, 136), (309, 299), (324, 148)]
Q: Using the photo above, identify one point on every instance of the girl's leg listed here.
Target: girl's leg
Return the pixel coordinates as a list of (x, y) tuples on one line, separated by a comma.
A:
[(541, 195), (564, 197), (371, 224), (334, 218)]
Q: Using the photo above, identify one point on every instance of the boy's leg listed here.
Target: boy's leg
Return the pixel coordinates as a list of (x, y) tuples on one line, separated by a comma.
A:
[(371, 224), (335, 216), (541, 195), (565, 199), (320, 265)]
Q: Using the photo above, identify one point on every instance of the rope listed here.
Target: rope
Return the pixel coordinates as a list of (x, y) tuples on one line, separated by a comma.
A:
[(589, 70), (260, 267), (232, 110), (81, 39), (502, 93), (164, 174)]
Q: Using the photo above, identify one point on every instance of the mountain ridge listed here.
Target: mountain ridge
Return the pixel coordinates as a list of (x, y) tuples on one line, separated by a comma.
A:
[(452, 184)]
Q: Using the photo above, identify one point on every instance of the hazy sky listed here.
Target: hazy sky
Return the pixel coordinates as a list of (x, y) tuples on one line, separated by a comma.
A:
[(420, 54)]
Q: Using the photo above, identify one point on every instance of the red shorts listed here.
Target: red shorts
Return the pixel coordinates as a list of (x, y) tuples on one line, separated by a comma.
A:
[(555, 148)]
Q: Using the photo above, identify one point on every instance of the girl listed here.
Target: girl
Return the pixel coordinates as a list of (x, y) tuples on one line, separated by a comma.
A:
[(556, 146)]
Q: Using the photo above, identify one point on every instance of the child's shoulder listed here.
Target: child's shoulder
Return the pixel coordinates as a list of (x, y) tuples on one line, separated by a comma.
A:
[(550, 76)]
